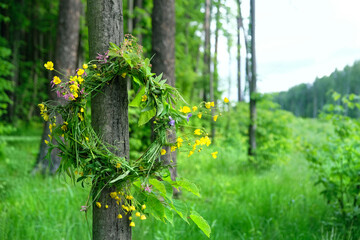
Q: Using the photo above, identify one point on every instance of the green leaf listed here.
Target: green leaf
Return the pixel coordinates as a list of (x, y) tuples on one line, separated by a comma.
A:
[(201, 223), (146, 116), (114, 46), (155, 207), (181, 209), (137, 100), (189, 186), (158, 185), (169, 215), (120, 177)]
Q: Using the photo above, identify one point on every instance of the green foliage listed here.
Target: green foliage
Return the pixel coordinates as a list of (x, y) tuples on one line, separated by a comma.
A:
[(337, 161)]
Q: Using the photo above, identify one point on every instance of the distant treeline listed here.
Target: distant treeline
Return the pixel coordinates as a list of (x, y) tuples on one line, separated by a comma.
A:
[(307, 100)]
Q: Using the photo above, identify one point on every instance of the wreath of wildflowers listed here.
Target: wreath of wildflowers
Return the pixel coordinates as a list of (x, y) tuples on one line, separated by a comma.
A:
[(87, 159)]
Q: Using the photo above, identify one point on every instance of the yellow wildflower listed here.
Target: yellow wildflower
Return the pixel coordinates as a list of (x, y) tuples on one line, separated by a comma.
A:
[(226, 100), (119, 216), (208, 105), (212, 104), (143, 98), (113, 194), (50, 137), (81, 109), (129, 197), (85, 66), (173, 148), (143, 217), (185, 109), (125, 208), (87, 139), (79, 80), (143, 207), (130, 218), (163, 151), (64, 126), (118, 165), (56, 80), (80, 117), (215, 117), (74, 88), (194, 108), (123, 75), (41, 106), (191, 153), (132, 224), (214, 154), (98, 204), (94, 66), (80, 72), (197, 132), (179, 142), (199, 115), (132, 208), (106, 206), (46, 142), (49, 65), (137, 214)]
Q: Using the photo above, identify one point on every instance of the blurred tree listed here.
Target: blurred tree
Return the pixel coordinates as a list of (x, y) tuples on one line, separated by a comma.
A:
[(109, 112), (66, 55), (252, 84), (207, 53)]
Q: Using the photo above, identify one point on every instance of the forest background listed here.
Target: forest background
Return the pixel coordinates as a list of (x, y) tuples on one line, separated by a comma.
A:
[(297, 177)]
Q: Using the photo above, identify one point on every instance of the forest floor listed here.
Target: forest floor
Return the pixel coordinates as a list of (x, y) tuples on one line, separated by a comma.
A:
[(279, 203)]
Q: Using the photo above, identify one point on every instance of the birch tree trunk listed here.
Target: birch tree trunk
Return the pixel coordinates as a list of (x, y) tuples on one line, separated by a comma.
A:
[(207, 53), (66, 52), (109, 112), (163, 43)]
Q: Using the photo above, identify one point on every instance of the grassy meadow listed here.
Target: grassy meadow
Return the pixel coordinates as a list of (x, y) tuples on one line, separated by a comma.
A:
[(239, 203)]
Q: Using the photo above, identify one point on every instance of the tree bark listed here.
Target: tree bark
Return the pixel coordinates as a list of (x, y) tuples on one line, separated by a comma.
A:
[(163, 43), (65, 61), (239, 23), (109, 112), (138, 4), (252, 87)]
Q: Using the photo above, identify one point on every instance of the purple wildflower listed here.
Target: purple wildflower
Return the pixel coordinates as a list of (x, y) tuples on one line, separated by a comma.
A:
[(148, 188), (58, 94), (172, 121), (83, 209), (189, 116), (103, 57)]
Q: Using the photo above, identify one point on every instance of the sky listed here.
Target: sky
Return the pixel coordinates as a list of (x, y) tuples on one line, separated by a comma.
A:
[(296, 41)]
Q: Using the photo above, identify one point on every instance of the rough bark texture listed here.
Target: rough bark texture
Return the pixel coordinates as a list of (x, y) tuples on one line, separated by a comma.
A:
[(163, 43), (65, 61), (109, 114), (136, 26), (252, 126)]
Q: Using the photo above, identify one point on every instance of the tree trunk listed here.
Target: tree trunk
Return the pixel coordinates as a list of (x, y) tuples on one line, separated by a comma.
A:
[(130, 23), (65, 61), (163, 43), (136, 26), (239, 23), (206, 70), (252, 87), (109, 112)]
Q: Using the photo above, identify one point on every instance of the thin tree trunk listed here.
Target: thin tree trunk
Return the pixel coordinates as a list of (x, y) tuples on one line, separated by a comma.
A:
[(207, 53), (138, 4), (252, 126), (65, 61), (130, 24), (239, 23), (163, 43), (109, 112)]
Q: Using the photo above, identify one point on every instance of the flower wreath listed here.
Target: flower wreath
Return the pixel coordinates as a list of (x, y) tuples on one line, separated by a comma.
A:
[(87, 159)]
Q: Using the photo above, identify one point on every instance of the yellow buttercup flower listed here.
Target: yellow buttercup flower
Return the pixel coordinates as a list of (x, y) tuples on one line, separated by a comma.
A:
[(46, 142), (130, 218), (56, 80), (129, 197), (80, 117), (179, 142), (173, 148), (49, 65), (94, 66), (106, 206), (208, 105), (143, 98), (226, 100), (119, 216), (80, 72), (185, 109), (132, 224), (98, 204), (137, 214), (199, 115), (214, 154), (85, 66), (197, 132), (113, 194), (118, 165), (123, 75), (194, 108), (143, 207), (143, 217), (191, 153), (81, 109), (163, 151), (215, 117), (212, 104)]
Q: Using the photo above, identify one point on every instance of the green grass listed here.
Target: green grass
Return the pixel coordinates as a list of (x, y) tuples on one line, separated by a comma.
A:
[(281, 203)]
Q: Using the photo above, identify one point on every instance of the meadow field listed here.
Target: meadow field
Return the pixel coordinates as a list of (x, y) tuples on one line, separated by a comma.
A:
[(239, 203)]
